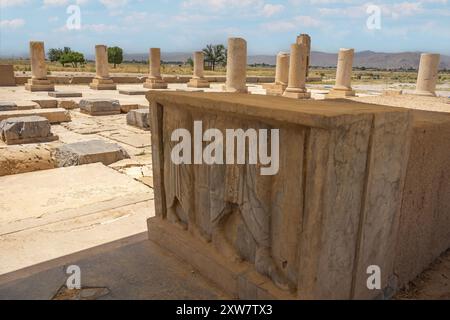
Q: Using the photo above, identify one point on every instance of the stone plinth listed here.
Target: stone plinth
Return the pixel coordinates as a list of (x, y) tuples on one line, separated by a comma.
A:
[(102, 80), (297, 75), (428, 74), (7, 78), (38, 81), (236, 66), (154, 80), (79, 153), (46, 103), (139, 118), (23, 130), (343, 87), (100, 107), (198, 80), (310, 230)]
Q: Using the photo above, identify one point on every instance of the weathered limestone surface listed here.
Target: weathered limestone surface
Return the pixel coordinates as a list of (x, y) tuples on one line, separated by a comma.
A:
[(428, 74), (67, 104), (139, 118), (100, 107), (46, 103), (236, 66), (311, 230), (65, 94), (425, 216), (86, 152), (23, 130), (7, 75), (133, 92), (102, 80), (53, 115), (198, 80), (305, 39), (7, 106), (38, 81), (281, 76), (297, 75), (154, 80), (343, 87)]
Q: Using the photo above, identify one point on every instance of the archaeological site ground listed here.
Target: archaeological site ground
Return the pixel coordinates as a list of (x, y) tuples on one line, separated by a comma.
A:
[(163, 180)]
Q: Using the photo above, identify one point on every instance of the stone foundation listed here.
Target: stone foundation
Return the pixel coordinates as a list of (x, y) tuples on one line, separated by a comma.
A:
[(310, 231), (155, 84), (23, 130), (198, 83)]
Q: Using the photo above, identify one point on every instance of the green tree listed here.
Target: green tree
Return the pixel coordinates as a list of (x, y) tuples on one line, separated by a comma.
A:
[(215, 55), (56, 53), (190, 62), (115, 55), (72, 57)]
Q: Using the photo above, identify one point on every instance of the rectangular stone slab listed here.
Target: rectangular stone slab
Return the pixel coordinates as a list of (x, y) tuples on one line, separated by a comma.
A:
[(54, 115), (134, 92), (342, 165), (65, 94), (100, 107), (89, 152), (7, 106)]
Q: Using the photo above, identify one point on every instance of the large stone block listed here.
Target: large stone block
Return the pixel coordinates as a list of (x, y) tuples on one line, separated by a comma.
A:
[(46, 103), (7, 75), (100, 107), (309, 231), (57, 115), (139, 118), (92, 151), (39, 85), (32, 129)]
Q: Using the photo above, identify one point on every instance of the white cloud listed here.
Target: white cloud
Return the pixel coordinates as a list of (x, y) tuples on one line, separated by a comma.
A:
[(113, 4), (49, 3), (220, 5), (12, 3), (291, 24), (271, 9), (12, 24)]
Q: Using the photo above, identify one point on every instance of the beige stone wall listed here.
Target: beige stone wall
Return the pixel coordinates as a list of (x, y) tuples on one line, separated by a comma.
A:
[(425, 216)]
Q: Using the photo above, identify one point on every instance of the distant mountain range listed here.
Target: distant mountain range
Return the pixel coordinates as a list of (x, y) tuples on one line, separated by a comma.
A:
[(367, 59)]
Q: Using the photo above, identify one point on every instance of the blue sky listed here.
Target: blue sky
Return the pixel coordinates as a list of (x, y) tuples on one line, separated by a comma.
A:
[(187, 25)]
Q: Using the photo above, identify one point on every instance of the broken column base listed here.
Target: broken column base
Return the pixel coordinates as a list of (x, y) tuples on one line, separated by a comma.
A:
[(198, 83), (155, 84), (24, 130), (102, 84), (336, 94), (424, 93), (274, 89), (39, 85), (296, 94), (238, 279)]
